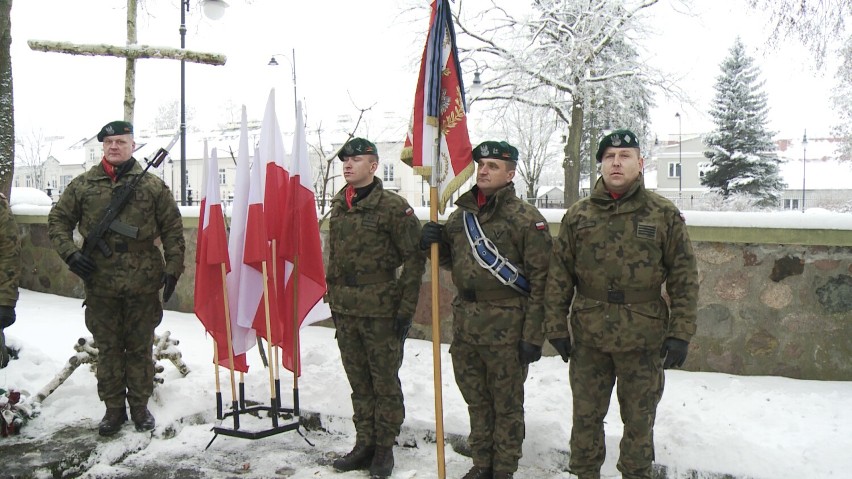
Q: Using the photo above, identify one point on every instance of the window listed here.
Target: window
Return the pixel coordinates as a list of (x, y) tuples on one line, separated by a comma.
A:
[(222, 177), (387, 172), (93, 155), (791, 204), (674, 170)]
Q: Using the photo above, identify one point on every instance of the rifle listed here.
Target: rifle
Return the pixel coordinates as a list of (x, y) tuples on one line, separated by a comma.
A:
[(120, 197)]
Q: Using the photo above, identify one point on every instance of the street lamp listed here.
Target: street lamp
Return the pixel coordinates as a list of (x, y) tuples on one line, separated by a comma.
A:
[(476, 87), (804, 165), (214, 10), (274, 63), (679, 158)]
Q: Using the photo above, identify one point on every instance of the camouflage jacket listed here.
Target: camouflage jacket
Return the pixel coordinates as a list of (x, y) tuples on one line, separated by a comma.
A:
[(136, 265), (630, 247), (374, 238), (521, 235), (10, 255)]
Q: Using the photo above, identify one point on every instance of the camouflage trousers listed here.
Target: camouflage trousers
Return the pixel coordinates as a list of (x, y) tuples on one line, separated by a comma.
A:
[(593, 373), (491, 380), (371, 354), (123, 330)]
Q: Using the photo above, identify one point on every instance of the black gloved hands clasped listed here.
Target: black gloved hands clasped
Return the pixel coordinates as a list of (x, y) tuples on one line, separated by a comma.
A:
[(674, 351), (401, 325), (7, 316), (169, 283), (563, 347), (81, 265), (431, 233), (528, 352)]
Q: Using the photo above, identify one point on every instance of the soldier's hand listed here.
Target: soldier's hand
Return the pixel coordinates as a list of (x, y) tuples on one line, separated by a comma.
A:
[(169, 283), (528, 352), (81, 265), (563, 347), (431, 233), (401, 325), (674, 351), (7, 316)]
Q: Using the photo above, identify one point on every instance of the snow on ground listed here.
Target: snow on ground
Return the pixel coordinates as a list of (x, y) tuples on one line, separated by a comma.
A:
[(757, 427)]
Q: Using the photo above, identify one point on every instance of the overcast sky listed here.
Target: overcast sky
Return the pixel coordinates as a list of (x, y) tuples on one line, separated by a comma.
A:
[(347, 56)]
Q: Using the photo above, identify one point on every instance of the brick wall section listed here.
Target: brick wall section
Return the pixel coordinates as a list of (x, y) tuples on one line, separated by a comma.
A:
[(772, 301)]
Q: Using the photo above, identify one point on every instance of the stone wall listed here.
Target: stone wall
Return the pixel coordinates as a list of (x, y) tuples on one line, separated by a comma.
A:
[(773, 301)]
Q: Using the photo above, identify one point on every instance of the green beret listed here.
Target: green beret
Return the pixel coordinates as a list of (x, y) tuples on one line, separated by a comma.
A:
[(495, 149), (115, 128), (358, 146), (617, 139)]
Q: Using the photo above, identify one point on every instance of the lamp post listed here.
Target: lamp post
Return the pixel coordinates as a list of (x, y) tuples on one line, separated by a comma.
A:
[(214, 10), (804, 165), (274, 63), (679, 159)]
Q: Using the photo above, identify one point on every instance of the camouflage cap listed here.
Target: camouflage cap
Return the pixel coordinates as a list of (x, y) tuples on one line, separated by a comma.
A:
[(617, 139), (495, 149), (113, 128), (358, 146)]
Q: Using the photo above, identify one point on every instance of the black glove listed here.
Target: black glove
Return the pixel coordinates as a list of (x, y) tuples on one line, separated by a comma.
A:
[(401, 324), (562, 346), (169, 283), (81, 265), (528, 352), (7, 316), (431, 233), (674, 350)]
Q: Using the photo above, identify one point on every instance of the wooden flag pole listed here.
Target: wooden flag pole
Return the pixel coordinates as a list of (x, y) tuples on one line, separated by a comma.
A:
[(234, 403), (276, 360), (272, 396), (218, 385), (436, 317)]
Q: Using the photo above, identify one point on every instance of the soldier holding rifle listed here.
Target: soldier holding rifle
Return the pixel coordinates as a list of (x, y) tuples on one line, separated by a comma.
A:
[(121, 210)]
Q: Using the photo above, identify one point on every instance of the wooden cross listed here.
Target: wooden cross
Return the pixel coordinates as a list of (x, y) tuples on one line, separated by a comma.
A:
[(131, 52)]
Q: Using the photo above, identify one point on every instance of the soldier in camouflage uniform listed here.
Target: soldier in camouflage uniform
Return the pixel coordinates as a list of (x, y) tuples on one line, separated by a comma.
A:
[(372, 233), (496, 329), (10, 272), (122, 289), (614, 251)]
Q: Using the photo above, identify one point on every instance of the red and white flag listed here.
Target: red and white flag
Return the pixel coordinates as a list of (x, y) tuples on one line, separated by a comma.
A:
[(245, 283), (440, 116), (304, 247), (211, 255)]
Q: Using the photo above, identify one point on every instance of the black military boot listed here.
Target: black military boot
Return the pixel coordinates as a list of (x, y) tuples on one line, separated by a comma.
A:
[(382, 465), (142, 418), (112, 421), (359, 457), (477, 472)]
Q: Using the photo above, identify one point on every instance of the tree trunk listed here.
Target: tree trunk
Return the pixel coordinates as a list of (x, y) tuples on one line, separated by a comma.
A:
[(130, 69), (7, 108), (572, 161)]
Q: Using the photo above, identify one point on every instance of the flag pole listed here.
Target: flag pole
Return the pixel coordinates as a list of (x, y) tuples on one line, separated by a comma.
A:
[(436, 316), (273, 397), (234, 403), (294, 277), (218, 386), (275, 283)]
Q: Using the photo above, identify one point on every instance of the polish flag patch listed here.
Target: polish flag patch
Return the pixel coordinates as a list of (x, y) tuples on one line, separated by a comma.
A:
[(541, 225), (409, 211)]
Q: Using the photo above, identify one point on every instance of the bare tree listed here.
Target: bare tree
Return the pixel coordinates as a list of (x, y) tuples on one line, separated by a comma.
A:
[(32, 153), (530, 129), (7, 109), (557, 57)]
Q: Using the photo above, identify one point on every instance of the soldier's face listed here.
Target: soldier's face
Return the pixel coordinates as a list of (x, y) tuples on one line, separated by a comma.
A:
[(620, 167), (118, 148), (358, 170), (493, 174)]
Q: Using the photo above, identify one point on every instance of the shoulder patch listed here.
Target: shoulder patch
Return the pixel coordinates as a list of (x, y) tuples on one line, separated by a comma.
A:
[(541, 225), (682, 218), (2, 196), (409, 211)]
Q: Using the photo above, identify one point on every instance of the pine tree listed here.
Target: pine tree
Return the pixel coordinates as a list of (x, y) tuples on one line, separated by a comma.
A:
[(742, 154)]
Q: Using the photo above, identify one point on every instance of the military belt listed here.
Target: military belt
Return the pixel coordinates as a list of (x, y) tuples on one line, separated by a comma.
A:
[(131, 247), (487, 294), (619, 296), (365, 279)]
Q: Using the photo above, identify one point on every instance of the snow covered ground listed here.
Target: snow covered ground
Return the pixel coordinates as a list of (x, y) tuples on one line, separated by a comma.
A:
[(756, 427)]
